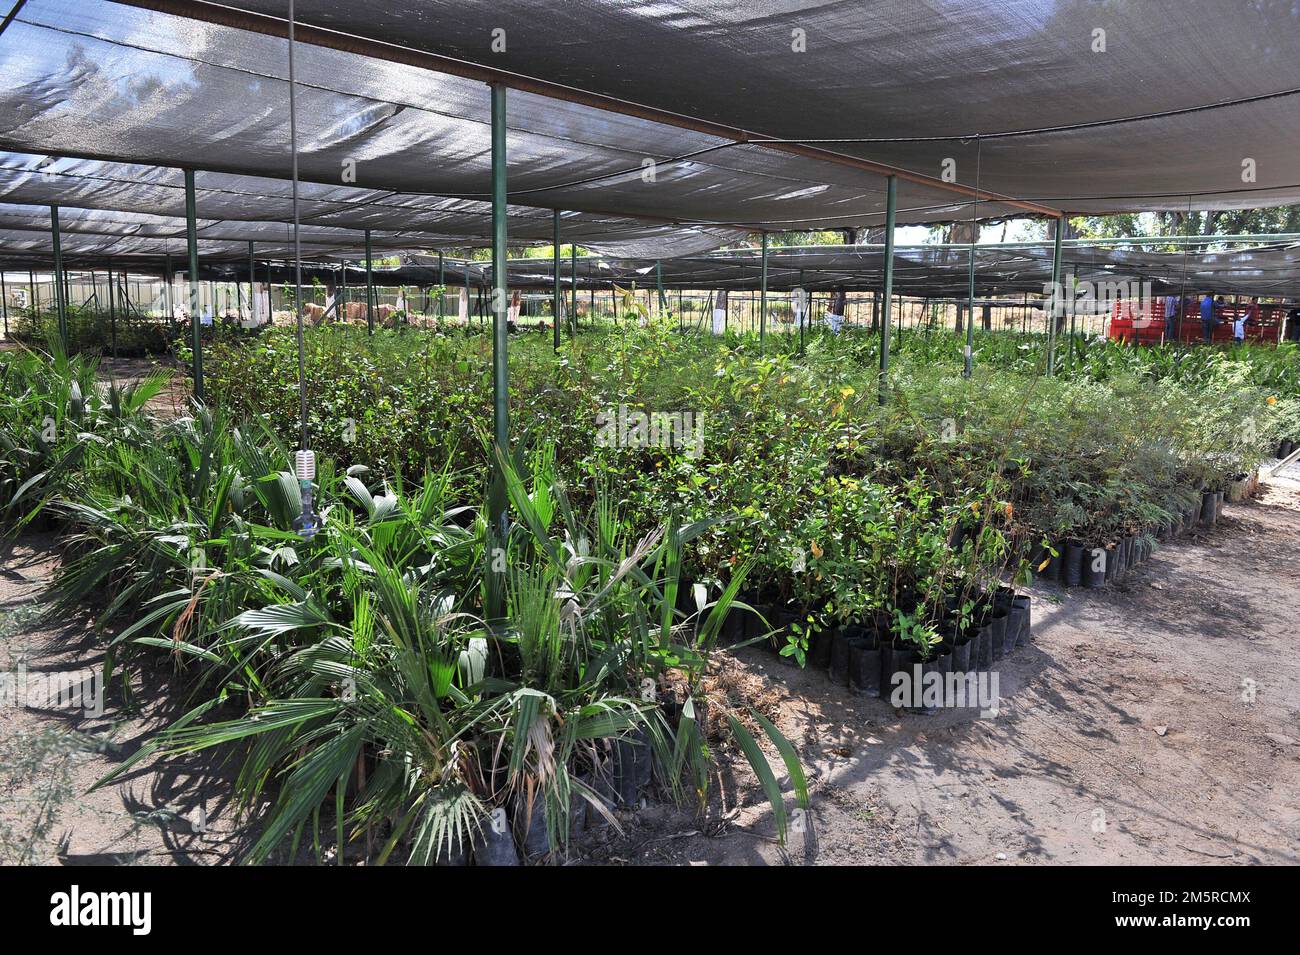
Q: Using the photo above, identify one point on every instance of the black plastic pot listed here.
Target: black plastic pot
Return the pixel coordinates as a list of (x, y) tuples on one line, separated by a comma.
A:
[(961, 656), (531, 827), (819, 648), (1015, 624), (1053, 569), (781, 619), (1094, 566), (1218, 505), (864, 666), (671, 709), (1209, 510), (495, 845), (1112, 564), (983, 658), (998, 624), (1072, 575), (457, 856), (839, 657), (894, 659), (1022, 616), (941, 664), (1002, 595), (633, 767), (1039, 556)]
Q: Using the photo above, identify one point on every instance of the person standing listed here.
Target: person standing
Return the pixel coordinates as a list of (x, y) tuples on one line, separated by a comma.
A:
[(1248, 316), (1207, 317), (838, 306), (1239, 327)]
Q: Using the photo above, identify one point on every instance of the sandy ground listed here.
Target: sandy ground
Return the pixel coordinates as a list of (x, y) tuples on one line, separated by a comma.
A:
[(52, 750), (1154, 721)]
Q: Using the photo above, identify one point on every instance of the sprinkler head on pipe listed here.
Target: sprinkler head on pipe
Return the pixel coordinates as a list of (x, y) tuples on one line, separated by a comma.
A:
[(308, 522)]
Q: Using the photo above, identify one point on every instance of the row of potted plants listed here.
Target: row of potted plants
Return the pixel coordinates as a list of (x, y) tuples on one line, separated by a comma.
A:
[(971, 630), (1074, 563)]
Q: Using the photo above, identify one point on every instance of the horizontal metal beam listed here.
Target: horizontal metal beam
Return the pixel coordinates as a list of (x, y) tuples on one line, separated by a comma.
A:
[(376, 49)]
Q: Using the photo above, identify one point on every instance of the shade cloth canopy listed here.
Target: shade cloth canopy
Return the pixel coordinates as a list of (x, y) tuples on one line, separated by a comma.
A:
[(104, 102), (1088, 106), (98, 80)]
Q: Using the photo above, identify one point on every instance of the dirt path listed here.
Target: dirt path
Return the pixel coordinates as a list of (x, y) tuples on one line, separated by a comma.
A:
[(1155, 721), (1127, 732), (54, 746)]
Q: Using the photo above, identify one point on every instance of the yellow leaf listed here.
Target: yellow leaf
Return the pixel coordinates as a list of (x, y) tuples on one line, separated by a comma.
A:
[(846, 392), (816, 550), (1043, 565)]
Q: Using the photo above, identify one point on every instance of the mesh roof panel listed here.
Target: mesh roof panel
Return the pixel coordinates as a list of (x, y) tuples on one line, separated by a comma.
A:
[(103, 80), (423, 221), (938, 72)]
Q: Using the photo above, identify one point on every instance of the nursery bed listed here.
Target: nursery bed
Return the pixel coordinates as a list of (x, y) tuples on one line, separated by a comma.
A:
[(1077, 732)]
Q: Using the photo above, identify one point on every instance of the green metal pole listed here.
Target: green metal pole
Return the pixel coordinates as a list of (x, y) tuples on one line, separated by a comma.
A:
[(970, 325), (442, 285), (1071, 304), (112, 309), (659, 284), (807, 307), (573, 267), (4, 302), (891, 211), (60, 304), (370, 289), (192, 242), (557, 296), (762, 317), (168, 279), (1056, 286), (343, 289), (252, 289), (500, 314)]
